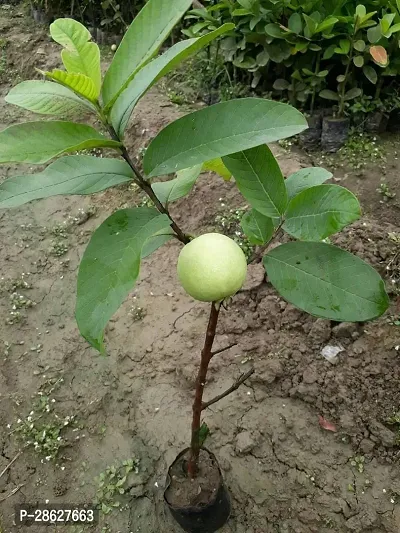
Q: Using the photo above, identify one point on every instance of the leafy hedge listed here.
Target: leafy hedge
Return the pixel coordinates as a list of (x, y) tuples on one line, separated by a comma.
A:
[(310, 50), (112, 15)]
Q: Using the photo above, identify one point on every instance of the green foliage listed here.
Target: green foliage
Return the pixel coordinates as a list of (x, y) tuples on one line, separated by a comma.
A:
[(307, 51), (113, 483), (228, 138)]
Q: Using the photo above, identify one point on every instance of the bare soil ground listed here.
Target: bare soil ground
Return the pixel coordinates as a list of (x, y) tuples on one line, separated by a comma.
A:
[(285, 472)]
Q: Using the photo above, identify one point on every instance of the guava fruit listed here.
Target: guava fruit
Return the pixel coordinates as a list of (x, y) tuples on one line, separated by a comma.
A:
[(212, 267)]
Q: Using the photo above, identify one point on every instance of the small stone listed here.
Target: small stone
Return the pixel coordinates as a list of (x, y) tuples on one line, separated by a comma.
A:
[(149, 349), (268, 372), (367, 446), (385, 435), (320, 330), (345, 330), (310, 375), (244, 443)]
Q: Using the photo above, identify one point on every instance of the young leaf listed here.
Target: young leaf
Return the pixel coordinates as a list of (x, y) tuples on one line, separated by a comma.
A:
[(358, 61), (374, 34), (46, 98), (304, 179), (259, 179), (257, 227), (220, 130), (345, 45), (355, 92), (370, 74), (329, 95), (80, 56), (79, 83), (360, 45), (169, 191), (321, 211), (325, 281), (217, 166), (79, 174), (38, 142), (281, 85), (141, 42), (204, 432), (361, 11), (327, 25), (379, 55), (155, 70), (112, 256), (295, 23)]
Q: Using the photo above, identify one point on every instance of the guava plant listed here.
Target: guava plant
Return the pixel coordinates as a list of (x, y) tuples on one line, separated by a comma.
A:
[(230, 137)]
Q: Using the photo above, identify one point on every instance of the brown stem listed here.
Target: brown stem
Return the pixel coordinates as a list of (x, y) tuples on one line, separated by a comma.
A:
[(206, 356), (241, 379), (257, 256), (146, 187)]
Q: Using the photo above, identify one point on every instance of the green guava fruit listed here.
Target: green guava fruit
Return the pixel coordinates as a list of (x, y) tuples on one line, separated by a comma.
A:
[(212, 267)]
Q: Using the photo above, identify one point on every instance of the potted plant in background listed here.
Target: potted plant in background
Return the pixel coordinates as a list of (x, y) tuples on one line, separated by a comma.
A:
[(317, 277)]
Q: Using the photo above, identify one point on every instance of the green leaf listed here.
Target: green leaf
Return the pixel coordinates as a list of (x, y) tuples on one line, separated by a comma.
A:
[(374, 34), (259, 179), (80, 56), (281, 85), (355, 92), (345, 45), (361, 11), (325, 281), (326, 25), (204, 432), (304, 179), (295, 23), (38, 142), (358, 61), (172, 190), (110, 267), (329, 95), (321, 211), (275, 31), (141, 43), (156, 241), (69, 175), (262, 58), (329, 52), (217, 166), (257, 227), (46, 98), (395, 28), (155, 70), (79, 83), (360, 45), (312, 26), (220, 130), (370, 74)]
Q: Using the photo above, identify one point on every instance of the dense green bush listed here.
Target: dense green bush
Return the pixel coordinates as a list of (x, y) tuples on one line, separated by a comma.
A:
[(112, 15), (308, 51)]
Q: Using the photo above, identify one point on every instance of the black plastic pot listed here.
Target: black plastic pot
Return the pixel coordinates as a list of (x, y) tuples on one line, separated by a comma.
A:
[(376, 122), (394, 122), (204, 518), (335, 132), (311, 138)]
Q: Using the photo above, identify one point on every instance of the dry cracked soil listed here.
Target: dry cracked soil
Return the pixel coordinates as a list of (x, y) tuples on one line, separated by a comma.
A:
[(73, 423)]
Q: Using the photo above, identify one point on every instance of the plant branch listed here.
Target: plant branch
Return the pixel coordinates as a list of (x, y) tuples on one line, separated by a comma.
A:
[(206, 355), (258, 255), (223, 349), (146, 187), (241, 379)]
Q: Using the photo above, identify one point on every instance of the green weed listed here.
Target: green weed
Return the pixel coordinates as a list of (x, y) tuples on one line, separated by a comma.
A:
[(112, 484)]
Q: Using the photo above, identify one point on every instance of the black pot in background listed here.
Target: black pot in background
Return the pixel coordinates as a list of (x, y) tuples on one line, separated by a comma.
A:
[(394, 122), (376, 122), (335, 132), (202, 519), (311, 138)]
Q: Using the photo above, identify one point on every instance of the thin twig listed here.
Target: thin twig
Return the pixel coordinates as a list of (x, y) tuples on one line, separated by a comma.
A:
[(231, 389), (146, 187), (12, 492), (10, 464), (265, 248), (223, 349)]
